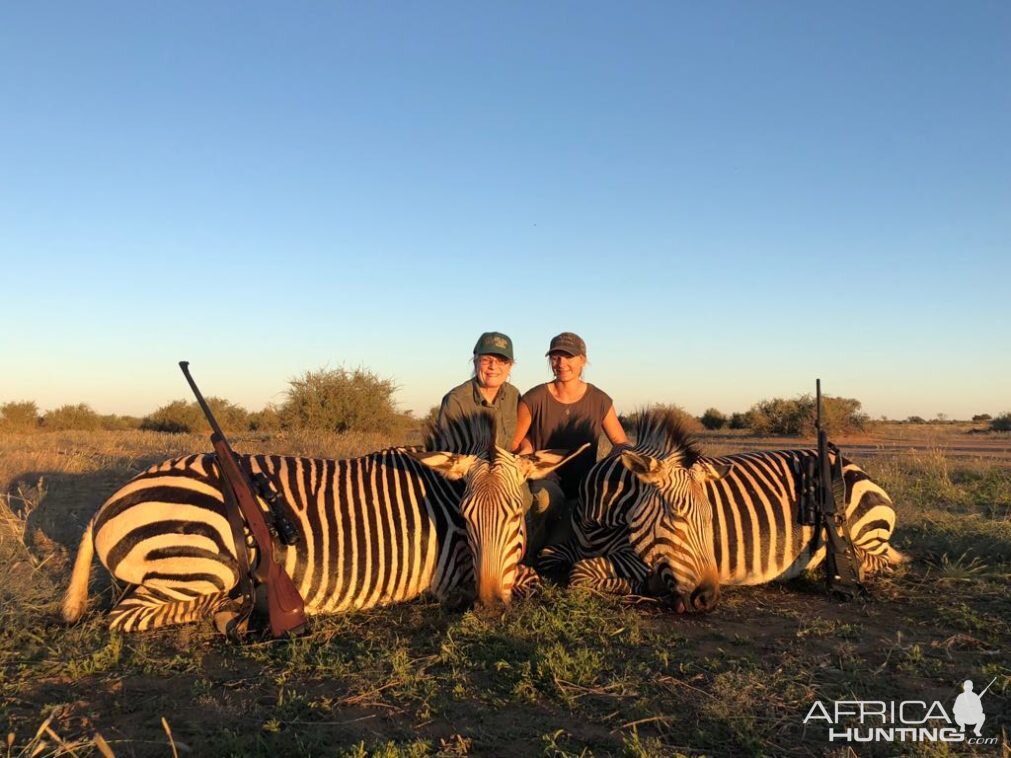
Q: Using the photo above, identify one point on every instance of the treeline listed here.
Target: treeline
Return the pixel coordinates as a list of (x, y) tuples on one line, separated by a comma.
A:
[(343, 400), (796, 417), (335, 400)]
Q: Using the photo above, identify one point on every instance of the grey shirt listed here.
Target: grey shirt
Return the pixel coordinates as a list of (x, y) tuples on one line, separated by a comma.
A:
[(466, 399), (566, 426)]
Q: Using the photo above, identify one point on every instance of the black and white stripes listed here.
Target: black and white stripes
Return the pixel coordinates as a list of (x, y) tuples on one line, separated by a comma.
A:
[(660, 517), (378, 529)]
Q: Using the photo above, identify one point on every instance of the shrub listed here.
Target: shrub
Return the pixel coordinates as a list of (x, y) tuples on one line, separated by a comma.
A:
[(916, 420), (19, 416), (1002, 423), (740, 420), (114, 423), (267, 420), (79, 416), (982, 417), (840, 415), (180, 416), (713, 419), (341, 400), (688, 422)]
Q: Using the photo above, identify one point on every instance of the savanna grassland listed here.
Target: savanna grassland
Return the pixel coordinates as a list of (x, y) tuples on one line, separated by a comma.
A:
[(562, 673)]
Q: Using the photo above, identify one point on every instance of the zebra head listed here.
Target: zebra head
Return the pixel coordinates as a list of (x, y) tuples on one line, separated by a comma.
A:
[(494, 501), (657, 489)]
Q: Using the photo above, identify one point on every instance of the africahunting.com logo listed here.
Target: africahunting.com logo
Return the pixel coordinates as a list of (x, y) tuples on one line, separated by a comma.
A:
[(905, 720)]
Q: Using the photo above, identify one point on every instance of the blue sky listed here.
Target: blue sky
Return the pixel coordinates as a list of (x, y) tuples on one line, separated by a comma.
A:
[(726, 200)]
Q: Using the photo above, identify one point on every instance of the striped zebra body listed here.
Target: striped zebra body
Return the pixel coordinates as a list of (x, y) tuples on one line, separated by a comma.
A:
[(378, 529), (662, 519)]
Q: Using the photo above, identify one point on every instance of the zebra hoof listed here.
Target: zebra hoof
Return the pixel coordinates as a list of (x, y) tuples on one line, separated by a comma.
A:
[(231, 621)]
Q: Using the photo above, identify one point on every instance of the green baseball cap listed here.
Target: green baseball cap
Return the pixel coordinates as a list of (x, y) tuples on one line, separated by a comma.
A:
[(494, 343)]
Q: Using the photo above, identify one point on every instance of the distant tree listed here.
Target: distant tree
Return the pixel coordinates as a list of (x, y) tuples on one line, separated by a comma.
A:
[(796, 417), (1001, 423), (180, 416), (21, 416), (266, 420), (79, 416), (740, 420), (982, 417), (112, 422), (916, 420), (688, 422), (713, 419), (341, 400)]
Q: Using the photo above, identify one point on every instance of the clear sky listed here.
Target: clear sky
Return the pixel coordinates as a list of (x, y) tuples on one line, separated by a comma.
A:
[(725, 199)]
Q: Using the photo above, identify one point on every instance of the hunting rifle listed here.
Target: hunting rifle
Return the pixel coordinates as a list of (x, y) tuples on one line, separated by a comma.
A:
[(823, 504), (285, 606)]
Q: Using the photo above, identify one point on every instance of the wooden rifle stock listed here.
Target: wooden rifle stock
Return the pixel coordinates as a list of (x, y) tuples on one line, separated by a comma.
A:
[(284, 603)]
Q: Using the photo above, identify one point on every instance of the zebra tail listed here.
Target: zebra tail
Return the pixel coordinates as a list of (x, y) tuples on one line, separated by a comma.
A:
[(75, 602), (896, 557)]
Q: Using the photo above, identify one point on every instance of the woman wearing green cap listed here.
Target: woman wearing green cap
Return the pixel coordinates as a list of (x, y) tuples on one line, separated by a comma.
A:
[(563, 414), (488, 390)]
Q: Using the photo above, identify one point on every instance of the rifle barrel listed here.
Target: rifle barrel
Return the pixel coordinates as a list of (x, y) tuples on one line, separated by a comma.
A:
[(817, 392), (185, 366)]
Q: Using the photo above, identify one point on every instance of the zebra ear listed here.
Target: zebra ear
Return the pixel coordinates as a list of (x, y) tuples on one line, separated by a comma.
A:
[(710, 472), (453, 466), (539, 464), (647, 468)]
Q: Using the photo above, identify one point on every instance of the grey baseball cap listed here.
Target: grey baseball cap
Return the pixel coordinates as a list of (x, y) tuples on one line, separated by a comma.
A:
[(568, 343), (494, 343)]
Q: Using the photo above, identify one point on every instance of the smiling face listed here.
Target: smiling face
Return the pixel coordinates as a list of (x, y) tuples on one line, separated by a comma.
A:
[(566, 367), (491, 371)]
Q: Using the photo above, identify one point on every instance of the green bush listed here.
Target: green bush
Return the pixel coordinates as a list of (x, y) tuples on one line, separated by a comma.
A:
[(713, 419), (79, 416), (1002, 423), (19, 416), (740, 421), (180, 416), (340, 400), (839, 415), (916, 420)]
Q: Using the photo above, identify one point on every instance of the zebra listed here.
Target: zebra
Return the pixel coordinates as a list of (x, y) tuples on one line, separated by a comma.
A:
[(661, 519), (382, 528)]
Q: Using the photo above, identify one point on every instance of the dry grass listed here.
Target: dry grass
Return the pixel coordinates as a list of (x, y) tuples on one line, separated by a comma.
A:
[(562, 674)]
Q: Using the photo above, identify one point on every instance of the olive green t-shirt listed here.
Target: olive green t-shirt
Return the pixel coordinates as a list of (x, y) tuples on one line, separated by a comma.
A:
[(566, 426), (466, 399)]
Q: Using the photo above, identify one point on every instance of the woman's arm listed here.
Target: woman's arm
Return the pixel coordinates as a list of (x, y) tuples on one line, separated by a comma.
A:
[(613, 428), (521, 445)]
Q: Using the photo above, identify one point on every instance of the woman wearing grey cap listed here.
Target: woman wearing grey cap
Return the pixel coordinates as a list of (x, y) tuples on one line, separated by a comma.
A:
[(488, 390), (563, 414)]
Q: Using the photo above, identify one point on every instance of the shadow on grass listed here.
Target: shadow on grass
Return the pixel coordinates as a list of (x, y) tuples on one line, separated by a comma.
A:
[(56, 505)]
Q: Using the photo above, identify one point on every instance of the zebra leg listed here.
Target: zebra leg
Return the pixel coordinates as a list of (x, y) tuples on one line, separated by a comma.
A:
[(528, 582), (144, 608), (615, 574), (557, 560)]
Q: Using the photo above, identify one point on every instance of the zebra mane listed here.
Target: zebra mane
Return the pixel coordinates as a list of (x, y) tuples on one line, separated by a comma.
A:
[(661, 432), (473, 434)]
